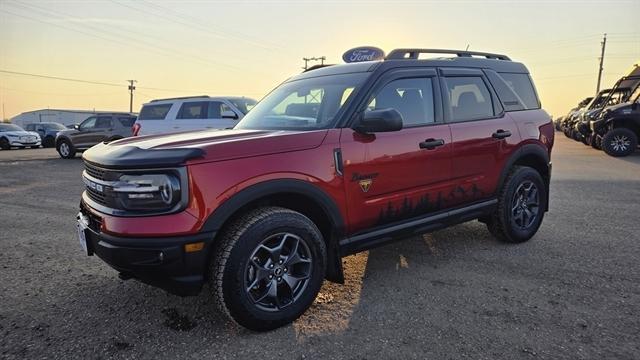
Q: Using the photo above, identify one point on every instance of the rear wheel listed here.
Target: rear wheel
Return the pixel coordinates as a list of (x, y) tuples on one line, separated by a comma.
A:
[(521, 206), (268, 268), (66, 149), (619, 142), (48, 142)]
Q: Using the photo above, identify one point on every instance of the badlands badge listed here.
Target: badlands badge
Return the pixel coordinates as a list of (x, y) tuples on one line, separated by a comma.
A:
[(365, 185)]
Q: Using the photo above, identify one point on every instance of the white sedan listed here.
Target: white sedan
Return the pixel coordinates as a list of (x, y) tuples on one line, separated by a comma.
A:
[(12, 135)]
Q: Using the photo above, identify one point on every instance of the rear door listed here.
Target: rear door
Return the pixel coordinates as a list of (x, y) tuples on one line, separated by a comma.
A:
[(103, 129), (483, 136), (391, 176), (192, 115)]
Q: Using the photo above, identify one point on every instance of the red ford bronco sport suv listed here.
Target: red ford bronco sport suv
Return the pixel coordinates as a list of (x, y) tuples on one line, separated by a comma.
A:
[(334, 161)]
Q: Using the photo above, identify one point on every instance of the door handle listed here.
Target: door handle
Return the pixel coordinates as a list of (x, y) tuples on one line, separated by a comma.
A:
[(431, 144), (501, 134), (176, 127)]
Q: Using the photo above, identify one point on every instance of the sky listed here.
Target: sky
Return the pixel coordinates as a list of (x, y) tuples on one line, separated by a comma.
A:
[(182, 48)]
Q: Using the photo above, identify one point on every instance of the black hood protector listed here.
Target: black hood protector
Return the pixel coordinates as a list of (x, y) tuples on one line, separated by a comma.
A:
[(133, 157)]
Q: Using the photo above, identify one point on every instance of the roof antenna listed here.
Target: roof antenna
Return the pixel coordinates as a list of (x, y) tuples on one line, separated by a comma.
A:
[(467, 48)]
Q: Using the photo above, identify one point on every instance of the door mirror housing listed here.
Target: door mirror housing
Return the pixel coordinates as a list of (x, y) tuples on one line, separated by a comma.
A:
[(76, 126), (228, 114), (383, 120)]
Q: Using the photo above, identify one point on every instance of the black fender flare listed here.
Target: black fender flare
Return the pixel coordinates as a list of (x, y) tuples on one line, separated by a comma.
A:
[(228, 208), (535, 150)]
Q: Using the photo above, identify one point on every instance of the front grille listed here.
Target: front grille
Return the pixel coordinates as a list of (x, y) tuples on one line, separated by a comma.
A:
[(96, 196), (94, 171)]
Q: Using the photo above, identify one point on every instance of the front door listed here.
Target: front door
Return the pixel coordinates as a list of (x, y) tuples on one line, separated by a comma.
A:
[(483, 135), (395, 176)]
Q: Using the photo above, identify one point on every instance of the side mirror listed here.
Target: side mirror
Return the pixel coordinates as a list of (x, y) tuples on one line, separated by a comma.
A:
[(228, 114), (76, 126), (383, 120)]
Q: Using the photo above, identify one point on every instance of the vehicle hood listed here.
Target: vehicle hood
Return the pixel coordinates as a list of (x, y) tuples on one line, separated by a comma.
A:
[(67, 132), (20, 133), (200, 146)]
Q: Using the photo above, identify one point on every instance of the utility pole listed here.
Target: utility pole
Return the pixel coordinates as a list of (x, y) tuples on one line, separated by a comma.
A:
[(131, 88), (307, 59), (603, 44)]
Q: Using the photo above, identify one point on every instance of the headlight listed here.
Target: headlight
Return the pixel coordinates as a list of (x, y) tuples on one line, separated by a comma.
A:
[(150, 192)]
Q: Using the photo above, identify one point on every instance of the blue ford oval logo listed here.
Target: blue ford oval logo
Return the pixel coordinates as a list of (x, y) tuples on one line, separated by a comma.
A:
[(363, 53)]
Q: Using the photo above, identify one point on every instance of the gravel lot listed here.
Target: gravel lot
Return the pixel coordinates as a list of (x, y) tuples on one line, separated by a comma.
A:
[(572, 292)]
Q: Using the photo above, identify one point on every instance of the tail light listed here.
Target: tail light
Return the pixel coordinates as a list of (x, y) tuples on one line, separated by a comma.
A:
[(136, 129)]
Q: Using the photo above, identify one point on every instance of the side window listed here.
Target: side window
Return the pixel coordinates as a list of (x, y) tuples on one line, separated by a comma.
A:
[(413, 98), (521, 84), (469, 98), (215, 109), (88, 124), (193, 110), (103, 122)]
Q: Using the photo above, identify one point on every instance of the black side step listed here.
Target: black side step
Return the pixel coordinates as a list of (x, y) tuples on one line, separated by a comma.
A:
[(398, 231)]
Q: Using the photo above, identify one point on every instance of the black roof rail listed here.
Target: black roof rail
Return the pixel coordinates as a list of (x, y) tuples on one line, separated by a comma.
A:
[(180, 98), (414, 53)]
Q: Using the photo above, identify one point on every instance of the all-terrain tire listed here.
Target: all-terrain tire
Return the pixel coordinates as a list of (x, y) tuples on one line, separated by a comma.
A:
[(619, 142), (236, 253), (503, 224)]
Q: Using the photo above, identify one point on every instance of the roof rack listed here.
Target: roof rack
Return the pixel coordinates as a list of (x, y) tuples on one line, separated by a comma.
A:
[(414, 53), (180, 98)]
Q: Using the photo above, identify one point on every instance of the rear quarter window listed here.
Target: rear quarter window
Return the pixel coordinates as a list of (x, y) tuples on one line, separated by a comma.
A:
[(522, 85), (154, 112)]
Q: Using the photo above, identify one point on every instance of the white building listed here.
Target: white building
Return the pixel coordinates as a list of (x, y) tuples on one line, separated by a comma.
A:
[(65, 117)]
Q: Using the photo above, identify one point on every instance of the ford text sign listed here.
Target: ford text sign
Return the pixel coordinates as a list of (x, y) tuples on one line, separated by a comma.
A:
[(363, 53)]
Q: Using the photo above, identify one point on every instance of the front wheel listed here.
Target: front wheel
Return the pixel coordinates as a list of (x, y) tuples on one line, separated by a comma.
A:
[(4, 144), (268, 268), (521, 206), (619, 142), (65, 149)]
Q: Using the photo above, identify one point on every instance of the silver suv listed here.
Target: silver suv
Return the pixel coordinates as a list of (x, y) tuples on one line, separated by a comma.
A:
[(95, 129)]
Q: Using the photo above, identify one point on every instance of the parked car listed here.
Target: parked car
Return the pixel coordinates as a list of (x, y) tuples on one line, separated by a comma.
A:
[(47, 131), (621, 93), (617, 128), (568, 124), (95, 129), (334, 161), (12, 135), (559, 121), (191, 113)]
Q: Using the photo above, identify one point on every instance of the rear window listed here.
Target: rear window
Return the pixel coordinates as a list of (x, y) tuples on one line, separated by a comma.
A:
[(521, 84), (127, 121), (154, 112)]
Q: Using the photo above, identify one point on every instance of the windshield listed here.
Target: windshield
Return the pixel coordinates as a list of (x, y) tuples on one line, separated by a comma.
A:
[(306, 104), (10, 127), (245, 104)]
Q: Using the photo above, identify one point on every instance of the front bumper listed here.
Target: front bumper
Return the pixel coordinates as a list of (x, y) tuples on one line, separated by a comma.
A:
[(21, 143), (159, 261)]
